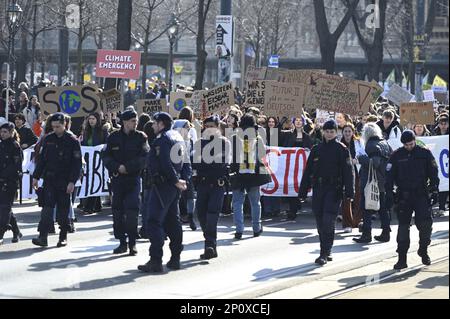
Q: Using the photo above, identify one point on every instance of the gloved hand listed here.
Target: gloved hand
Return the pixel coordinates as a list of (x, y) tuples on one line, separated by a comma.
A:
[(389, 200), (434, 198)]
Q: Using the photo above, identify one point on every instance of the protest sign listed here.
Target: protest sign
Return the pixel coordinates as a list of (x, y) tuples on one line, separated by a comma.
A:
[(118, 64), (254, 96), (95, 175), (283, 99), (323, 116), (428, 96), (297, 76), (254, 73), (76, 101), (151, 106), (341, 95), (111, 101), (218, 99), (417, 113), (441, 97), (178, 101), (399, 95)]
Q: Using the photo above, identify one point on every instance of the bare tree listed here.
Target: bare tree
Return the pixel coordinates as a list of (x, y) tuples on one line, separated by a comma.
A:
[(203, 9), (328, 40)]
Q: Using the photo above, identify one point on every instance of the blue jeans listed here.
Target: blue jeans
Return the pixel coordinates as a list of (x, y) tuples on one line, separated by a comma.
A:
[(238, 205), (385, 217)]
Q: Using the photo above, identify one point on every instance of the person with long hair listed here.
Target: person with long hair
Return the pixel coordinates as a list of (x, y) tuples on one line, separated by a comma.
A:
[(93, 134), (377, 153), (31, 112), (351, 213), (11, 158)]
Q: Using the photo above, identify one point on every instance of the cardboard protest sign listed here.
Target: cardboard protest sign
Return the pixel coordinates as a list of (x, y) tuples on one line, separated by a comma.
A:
[(178, 101), (219, 99), (254, 96), (151, 106), (297, 76), (254, 73), (111, 101), (417, 113), (341, 95), (198, 104), (441, 97), (399, 95), (272, 74), (76, 101), (283, 99)]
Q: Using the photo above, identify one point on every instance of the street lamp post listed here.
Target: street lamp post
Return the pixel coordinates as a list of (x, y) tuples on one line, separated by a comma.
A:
[(172, 33), (14, 11)]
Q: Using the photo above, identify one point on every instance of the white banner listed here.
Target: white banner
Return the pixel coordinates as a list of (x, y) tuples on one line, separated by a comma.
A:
[(95, 175), (286, 166)]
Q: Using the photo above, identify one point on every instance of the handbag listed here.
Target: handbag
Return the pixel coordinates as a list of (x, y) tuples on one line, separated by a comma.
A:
[(372, 191)]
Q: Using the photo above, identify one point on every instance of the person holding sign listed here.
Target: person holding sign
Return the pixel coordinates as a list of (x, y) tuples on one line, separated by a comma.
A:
[(59, 165), (414, 171), (329, 170), (124, 157), (11, 158)]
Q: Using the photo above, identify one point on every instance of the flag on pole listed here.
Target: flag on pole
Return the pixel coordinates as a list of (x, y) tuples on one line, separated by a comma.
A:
[(439, 82), (391, 78), (425, 84)]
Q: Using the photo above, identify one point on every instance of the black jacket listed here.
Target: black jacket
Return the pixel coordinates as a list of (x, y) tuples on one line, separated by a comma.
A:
[(290, 140), (27, 136), (11, 157), (329, 164)]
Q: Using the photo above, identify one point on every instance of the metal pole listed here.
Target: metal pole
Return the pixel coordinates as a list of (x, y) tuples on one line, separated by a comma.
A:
[(225, 7), (171, 65), (419, 47)]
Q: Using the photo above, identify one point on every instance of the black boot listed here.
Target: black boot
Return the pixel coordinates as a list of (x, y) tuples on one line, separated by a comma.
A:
[(385, 236), (291, 216), (210, 253), (17, 235), (174, 263), (41, 240), (192, 224), (322, 260), (365, 238), (62, 239), (153, 266), (423, 253), (401, 263), (72, 226), (132, 247), (2, 233), (122, 248)]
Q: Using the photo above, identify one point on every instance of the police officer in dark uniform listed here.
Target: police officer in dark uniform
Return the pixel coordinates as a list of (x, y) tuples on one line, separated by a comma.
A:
[(414, 171), (59, 165), (329, 171), (212, 157), (10, 171), (124, 157), (168, 166)]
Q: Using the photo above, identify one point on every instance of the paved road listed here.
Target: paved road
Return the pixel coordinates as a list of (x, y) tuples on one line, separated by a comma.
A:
[(263, 267)]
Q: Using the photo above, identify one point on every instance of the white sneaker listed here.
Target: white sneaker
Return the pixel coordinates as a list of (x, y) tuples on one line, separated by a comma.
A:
[(440, 213), (348, 230)]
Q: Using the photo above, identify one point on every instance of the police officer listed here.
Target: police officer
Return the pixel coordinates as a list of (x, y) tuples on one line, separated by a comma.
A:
[(59, 165), (10, 170), (165, 169), (212, 157), (414, 171), (329, 171), (124, 157)]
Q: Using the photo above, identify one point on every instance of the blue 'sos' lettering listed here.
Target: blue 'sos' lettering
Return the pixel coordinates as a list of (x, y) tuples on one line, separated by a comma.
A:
[(442, 164)]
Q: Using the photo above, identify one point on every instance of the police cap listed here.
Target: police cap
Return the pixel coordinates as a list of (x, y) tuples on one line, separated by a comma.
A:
[(408, 136), (58, 117), (162, 117), (330, 125), (212, 119), (128, 114)]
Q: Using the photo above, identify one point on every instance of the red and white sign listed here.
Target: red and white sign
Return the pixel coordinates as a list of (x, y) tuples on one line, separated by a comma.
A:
[(118, 64)]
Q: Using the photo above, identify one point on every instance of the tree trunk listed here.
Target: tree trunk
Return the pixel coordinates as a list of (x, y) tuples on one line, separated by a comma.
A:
[(33, 45), (80, 47), (144, 70), (21, 65), (200, 45), (328, 52), (124, 13)]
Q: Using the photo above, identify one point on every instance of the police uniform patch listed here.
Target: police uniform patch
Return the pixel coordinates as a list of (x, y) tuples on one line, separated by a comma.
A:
[(158, 150), (116, 148), (388, 167), (316, 159)]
